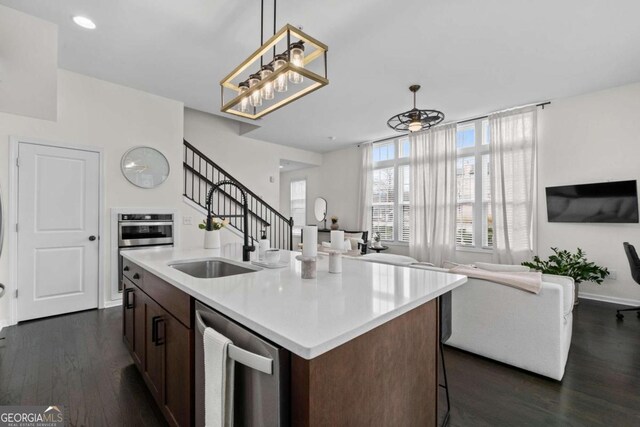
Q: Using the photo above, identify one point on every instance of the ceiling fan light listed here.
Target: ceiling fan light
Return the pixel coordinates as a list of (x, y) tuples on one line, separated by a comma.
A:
[(415, 125)]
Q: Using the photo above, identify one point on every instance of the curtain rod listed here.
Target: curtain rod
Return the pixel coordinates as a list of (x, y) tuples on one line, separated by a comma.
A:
[(542, 104)]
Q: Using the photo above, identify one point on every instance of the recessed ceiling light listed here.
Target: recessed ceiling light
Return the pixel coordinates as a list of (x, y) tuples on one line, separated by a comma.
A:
[(281, 166), (84, 22)]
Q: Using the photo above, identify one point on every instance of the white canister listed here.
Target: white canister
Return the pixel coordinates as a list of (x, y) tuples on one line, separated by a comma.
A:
[(309, 241), (263, 246), (335, 262), (212, 239), (337, 240)]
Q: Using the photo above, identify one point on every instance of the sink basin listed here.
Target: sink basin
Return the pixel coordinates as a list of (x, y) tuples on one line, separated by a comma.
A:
[(211, 268)]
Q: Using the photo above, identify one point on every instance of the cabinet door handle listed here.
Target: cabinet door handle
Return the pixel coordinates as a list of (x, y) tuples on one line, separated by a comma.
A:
[(127, 294), (126, 268), (154, 329), (136, 276), (160, 337)]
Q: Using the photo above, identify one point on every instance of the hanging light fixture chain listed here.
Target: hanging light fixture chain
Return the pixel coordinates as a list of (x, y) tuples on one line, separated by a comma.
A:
[(261, 28), (275, 7)]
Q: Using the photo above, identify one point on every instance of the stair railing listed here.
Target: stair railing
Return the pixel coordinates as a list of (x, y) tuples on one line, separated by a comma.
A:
[(200, 173)]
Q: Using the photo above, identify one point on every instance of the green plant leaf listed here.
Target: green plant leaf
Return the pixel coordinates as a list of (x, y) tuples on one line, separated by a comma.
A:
[(564, 263)]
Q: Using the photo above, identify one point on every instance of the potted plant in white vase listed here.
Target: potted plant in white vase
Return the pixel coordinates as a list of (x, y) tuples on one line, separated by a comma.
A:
[(212, 232)]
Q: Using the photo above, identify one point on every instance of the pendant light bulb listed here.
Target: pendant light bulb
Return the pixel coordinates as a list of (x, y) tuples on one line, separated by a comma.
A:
[(267, 89), (280, 84), (296, 54), (255, 99), (243, 106)]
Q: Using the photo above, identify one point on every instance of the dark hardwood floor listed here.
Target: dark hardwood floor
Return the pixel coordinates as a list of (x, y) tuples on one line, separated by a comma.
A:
[(80, 361), (601, 385)]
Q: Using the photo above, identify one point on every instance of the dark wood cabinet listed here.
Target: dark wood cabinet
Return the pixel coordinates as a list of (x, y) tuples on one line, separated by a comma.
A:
[(128, 324), (154, 346), (178, 363), (133, 304), (159, 343)]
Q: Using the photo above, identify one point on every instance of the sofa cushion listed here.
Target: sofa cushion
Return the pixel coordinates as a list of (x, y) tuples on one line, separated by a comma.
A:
[(390, 259), (355, 239), (502, 268)]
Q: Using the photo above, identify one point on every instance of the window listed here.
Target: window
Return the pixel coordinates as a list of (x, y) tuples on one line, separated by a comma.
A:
[(474, 225), (391, 189), (298, 204)]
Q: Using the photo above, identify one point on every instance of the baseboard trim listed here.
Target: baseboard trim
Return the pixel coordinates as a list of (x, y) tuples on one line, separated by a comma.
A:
[(109, 304), (613, 300)]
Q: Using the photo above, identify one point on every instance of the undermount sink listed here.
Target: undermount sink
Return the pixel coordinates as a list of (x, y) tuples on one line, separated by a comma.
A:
[(211, 268)]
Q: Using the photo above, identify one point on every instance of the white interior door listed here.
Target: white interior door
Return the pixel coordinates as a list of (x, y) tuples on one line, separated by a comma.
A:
[(58, 223)]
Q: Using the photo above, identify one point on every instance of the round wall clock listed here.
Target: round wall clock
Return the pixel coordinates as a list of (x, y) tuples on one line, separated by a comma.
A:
[(145, 167)]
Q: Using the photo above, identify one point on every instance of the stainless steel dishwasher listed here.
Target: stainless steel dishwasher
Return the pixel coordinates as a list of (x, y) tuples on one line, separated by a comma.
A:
[(260, 398)]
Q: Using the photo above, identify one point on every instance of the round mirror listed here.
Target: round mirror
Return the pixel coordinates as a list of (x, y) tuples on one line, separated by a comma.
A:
[(320, 209), (145, 167)]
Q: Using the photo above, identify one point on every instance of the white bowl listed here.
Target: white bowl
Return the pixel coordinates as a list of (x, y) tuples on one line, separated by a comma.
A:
[(272, 256)]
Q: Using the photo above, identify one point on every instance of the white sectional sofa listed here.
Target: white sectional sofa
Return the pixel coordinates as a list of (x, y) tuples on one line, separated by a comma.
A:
[(522, 329)]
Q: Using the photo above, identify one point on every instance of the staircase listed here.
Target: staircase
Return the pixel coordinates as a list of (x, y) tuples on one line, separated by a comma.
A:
[(200, 173)]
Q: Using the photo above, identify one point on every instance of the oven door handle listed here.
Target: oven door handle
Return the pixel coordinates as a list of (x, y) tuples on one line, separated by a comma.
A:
[(251, 360), (143, 223)]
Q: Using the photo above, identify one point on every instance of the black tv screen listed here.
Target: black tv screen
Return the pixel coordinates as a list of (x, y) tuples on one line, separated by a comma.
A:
[(610, 202)]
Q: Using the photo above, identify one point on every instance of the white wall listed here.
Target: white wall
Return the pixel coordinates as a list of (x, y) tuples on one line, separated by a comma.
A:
[(250, 161), (28, 65), (586, 139), (336, 180), (96, 113)]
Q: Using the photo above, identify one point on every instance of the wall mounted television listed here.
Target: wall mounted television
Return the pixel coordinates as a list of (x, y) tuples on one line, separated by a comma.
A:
[(606, 202)]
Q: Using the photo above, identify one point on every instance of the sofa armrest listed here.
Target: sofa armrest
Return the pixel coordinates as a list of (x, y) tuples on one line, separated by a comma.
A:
[(568, 287)]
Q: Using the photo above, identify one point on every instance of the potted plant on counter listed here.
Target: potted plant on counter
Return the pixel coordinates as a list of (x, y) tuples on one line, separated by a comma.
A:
[(334, 223), (212, 233), (564, 263)]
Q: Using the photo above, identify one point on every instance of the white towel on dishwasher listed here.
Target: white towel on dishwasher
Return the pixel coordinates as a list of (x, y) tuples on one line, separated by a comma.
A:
[(218, 380)]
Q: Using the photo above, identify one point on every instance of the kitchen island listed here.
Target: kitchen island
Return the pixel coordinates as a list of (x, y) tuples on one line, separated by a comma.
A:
[(363, 343)]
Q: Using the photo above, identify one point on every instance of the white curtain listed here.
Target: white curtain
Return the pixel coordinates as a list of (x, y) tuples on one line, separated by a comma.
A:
[(433, 194), (366, 188), (513, 183)]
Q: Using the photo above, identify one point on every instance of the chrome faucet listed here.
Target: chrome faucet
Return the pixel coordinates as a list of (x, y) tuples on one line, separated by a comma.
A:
[(246, 248)]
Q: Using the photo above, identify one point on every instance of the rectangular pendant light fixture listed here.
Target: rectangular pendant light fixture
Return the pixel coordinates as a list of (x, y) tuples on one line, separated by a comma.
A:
[(242, 85)]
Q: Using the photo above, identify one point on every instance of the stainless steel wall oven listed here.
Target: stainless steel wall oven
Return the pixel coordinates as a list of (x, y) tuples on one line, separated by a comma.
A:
[(142, 231)]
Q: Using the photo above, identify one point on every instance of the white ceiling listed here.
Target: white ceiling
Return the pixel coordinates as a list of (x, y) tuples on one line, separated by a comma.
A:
[(471, 57)]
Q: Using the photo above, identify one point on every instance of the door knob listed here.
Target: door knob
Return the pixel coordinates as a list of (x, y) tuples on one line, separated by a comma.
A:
[(92, 238)]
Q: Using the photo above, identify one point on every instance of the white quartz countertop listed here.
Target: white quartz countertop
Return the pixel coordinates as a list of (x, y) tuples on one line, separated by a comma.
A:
[(307, 317)]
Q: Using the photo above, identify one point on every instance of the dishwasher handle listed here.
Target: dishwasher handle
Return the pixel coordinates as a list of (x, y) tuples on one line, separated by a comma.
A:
[(251, 360)]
